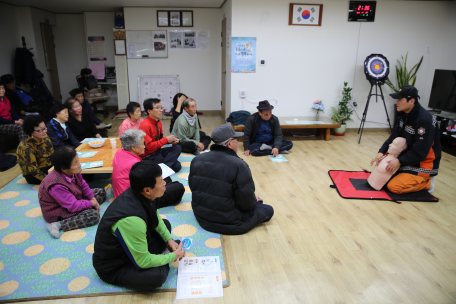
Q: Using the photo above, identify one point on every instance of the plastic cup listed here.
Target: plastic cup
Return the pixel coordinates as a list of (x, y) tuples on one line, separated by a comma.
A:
[(113, 143)]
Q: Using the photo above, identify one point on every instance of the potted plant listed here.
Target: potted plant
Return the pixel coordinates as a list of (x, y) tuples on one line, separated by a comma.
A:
[(343, 113), (403, 76)]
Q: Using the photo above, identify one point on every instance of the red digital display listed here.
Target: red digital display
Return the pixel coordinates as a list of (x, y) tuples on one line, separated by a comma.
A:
[(362, 11)]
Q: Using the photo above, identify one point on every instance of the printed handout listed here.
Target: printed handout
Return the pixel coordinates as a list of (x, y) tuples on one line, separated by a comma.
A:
[(199, 277), (86, 154), (278, 159), (95, 164)]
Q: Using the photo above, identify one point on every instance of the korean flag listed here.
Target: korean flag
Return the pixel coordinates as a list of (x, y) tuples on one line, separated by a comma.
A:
[(306, 14)]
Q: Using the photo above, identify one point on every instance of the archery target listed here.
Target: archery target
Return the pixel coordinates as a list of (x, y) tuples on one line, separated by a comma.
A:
[(376, 67)]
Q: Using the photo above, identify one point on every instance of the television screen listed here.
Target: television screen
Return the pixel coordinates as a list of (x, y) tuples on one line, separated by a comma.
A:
[(443, 92)]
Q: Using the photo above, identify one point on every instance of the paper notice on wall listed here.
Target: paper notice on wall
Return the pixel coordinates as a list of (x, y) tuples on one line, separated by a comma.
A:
[(202, 40), (175, 40), (97, 48), (189, 40), (132, 53), (199, 277)]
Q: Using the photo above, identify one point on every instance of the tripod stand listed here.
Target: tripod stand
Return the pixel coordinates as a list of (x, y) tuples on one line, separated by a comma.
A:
[(377, 84)]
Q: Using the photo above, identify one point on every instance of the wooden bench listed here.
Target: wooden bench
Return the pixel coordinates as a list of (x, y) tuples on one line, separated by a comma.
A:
[(324, 123)]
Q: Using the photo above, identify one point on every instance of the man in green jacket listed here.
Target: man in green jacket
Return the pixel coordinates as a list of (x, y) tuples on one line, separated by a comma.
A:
[(133, 244), (187, 131)]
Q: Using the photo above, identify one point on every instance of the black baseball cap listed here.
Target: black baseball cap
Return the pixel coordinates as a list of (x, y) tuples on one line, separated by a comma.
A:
[(406, 91)]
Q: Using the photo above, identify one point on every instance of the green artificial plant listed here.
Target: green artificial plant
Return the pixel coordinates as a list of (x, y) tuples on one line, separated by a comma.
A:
[(403, 76), (343, 113)]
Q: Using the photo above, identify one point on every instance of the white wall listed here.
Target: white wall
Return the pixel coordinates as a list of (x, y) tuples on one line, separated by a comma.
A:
[(227, 14), (309, 63), (11, 38), (101, 24), (70, 49), (199, 70), (39, 16)]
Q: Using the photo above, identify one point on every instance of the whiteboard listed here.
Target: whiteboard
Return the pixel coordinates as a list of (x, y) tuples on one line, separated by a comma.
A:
[(147, 44), (163, 87)]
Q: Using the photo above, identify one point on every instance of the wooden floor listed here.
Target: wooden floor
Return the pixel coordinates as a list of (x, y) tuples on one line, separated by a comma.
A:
[(320, 248)]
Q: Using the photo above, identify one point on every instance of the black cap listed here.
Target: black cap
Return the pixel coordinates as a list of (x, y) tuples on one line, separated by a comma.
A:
[(7, 78), (406, 91)]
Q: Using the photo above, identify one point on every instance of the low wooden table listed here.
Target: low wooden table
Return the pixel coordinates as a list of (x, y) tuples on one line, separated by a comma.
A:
[(105, 153), (303, 123)]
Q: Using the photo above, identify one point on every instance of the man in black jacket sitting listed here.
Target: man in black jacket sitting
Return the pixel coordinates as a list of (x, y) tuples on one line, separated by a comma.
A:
[(263, 135), (223, 191)]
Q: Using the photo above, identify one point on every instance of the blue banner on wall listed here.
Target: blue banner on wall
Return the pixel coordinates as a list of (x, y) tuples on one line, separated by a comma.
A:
[(243, 54)]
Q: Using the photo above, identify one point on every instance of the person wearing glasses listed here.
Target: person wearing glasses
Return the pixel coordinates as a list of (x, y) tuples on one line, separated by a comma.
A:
[(263, 135), (34, 153), (223, 191), (154, 139), (187, 130)]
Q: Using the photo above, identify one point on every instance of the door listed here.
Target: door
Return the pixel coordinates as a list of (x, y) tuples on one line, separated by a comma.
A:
[(223, 68), (51, 61)]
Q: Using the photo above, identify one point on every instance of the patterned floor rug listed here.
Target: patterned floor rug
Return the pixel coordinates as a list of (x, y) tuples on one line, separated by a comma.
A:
[(35, 265)]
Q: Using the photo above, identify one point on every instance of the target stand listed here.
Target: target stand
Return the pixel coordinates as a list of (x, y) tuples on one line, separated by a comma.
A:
[(376, 68)]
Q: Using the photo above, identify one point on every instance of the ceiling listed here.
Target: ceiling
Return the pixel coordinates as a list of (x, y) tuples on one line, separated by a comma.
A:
[(79, 6)]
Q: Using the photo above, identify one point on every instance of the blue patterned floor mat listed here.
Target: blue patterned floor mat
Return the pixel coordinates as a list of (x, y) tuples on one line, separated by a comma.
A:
[(33, 264)]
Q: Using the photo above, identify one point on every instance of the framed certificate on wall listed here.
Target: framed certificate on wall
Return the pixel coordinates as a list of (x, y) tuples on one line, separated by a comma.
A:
[(305, 14)]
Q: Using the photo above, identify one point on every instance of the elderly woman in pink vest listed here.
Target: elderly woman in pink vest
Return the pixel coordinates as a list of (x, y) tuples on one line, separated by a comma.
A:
[(66, 200)]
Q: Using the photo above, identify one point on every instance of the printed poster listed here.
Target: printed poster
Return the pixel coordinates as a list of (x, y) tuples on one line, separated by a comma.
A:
[(97, 48), (243, 54)]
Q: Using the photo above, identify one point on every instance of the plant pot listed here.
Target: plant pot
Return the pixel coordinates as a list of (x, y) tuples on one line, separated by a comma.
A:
[(340, 131)]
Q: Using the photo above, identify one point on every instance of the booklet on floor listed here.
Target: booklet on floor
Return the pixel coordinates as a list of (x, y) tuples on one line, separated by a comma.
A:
[(278, 159), (199, 277), (166, 171)]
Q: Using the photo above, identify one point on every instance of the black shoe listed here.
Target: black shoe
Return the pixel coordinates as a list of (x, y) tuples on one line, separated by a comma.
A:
[(168, 180)]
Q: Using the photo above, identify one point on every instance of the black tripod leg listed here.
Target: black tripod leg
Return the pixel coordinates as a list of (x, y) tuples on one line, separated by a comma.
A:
[(387, 116), (363, 120)]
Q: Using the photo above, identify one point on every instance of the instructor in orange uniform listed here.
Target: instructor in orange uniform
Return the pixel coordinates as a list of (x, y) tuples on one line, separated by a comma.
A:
[(420, 162)]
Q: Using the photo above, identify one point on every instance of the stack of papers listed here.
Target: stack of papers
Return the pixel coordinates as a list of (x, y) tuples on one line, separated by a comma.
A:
[(199, 277)]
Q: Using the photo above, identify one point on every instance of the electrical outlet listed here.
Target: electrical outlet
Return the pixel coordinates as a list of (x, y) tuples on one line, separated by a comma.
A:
[(242, 93), (353, 103)]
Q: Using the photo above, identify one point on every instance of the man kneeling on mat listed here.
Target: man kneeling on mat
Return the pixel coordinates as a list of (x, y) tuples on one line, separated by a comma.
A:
[(132, 240), (420, 162), (263, 135)]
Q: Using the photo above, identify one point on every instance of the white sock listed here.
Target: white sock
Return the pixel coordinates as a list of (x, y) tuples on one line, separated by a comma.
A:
[(284, 152), (265, 147), (54, 229)]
